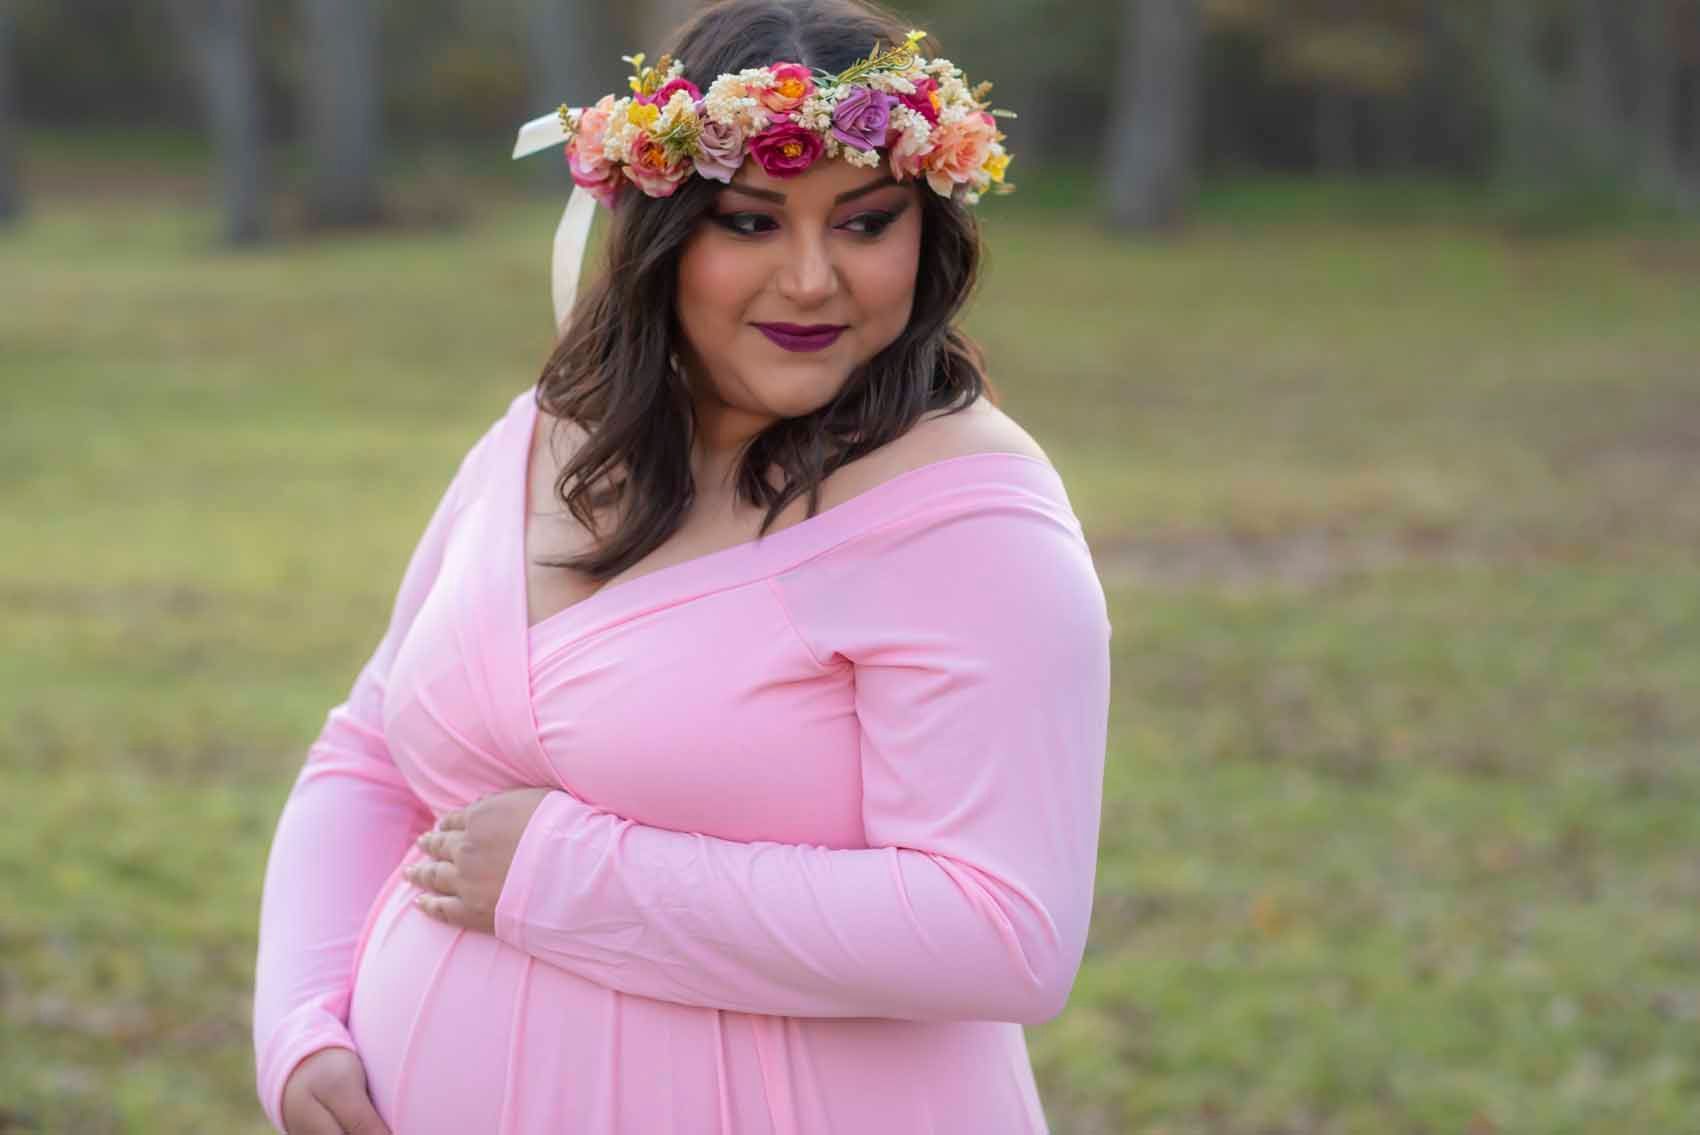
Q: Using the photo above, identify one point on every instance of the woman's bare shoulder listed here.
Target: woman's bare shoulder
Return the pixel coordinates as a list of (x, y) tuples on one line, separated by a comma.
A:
[(939, 436)]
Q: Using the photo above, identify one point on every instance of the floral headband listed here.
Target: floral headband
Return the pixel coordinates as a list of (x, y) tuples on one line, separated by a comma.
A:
[(921, 112)]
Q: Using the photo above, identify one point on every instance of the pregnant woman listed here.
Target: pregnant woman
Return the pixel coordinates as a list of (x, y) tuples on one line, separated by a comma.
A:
[(733, 758)]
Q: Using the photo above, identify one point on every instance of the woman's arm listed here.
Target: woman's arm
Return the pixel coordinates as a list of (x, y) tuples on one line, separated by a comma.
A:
[(349, 820), (981, 652)]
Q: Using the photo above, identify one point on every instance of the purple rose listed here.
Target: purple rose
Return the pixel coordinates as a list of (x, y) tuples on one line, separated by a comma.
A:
[(860, 119), (720, 148), (786, 149)]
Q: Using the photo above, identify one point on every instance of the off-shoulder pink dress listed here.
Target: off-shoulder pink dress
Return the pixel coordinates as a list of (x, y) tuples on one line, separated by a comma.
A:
[(822, 836)]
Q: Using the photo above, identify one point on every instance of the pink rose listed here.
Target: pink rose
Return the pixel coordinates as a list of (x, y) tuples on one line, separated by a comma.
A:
[(660, 97), (720, 148), (792, 83), (925, 100), (908, 158), (787, 149), (652, 171), (589, 167), (959, 150)]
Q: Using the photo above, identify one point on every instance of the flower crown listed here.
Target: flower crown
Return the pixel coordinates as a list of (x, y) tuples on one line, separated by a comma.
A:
[(921, 112)]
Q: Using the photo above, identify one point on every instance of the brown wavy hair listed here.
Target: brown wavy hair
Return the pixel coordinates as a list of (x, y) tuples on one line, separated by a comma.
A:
[(611, 375)]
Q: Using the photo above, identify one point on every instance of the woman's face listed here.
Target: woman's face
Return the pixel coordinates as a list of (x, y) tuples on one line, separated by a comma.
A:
[(836, 246)]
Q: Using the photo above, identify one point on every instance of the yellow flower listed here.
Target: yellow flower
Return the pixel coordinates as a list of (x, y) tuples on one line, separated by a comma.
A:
[(995, 165), (643, 115)]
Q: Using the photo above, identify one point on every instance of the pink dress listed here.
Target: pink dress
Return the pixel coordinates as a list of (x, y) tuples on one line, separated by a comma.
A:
[(822, 837)]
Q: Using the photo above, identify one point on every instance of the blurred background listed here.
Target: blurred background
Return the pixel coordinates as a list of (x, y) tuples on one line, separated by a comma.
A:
[(1366, 337)]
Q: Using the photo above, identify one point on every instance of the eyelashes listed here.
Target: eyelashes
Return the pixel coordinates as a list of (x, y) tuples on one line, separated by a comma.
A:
[(878, 221)]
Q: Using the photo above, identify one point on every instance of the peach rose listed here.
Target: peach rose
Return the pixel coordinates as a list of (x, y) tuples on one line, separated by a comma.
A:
[(652, 171), (792, 83), (589, 167), (959, 150)]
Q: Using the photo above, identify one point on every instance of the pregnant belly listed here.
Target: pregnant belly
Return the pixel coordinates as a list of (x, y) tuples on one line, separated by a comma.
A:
[(460, 1032)]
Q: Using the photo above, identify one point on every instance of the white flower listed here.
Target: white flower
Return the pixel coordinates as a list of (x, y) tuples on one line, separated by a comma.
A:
[(680, 107), (890, 82), (818, 109)]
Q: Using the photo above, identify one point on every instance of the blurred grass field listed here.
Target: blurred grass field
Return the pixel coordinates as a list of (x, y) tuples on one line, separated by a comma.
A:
[(1399, 522)]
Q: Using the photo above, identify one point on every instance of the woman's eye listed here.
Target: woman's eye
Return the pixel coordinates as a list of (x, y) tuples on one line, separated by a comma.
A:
[(731, 221), (744, 224), (879, 221)]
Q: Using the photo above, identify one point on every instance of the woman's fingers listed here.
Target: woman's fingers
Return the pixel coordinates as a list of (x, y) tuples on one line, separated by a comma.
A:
[(312, 1118), (435, 875), (351, 1109), (446, 909), (441, 845)]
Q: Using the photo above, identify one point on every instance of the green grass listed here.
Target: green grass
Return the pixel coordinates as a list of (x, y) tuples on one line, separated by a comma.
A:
[(1399, 524)]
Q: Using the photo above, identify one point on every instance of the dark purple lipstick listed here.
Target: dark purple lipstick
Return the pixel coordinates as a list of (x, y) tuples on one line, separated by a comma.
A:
[(800, 337)]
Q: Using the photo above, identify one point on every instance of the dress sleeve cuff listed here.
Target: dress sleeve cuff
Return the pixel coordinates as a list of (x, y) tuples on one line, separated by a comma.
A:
[(529, 865), (302, 1033)]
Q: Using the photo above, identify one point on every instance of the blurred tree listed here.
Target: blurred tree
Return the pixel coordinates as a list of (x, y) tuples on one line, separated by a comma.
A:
[(11, 193), (1355, 59), (1591, 77), (224, 57), (1151, 174), (1655, 104), (568, 48), (1523, 115), (656, 21), (1448, 96), (1689, 23), (341, 103)]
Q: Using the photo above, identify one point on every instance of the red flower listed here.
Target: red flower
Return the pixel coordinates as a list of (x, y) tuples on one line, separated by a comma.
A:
[(924, 101), (786, 149), (665, 94)]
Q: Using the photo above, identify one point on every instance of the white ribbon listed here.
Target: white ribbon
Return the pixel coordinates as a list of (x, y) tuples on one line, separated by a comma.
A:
[(573, 233)]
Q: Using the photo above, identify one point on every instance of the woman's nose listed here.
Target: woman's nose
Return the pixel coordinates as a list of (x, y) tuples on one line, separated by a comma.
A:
[(809, 277)]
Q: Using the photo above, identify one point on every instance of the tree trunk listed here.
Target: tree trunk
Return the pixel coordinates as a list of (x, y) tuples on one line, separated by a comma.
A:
[(11, 193), (1595, 96), (1431, 101), (1655, 105), (658, 20), (1336, 141), (1521, 114), (1152, 174), (1691, 35), (341, 102), (221, 36), (562, 45)]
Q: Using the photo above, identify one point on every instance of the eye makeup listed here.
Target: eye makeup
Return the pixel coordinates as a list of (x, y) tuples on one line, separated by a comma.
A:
[(877, 220)]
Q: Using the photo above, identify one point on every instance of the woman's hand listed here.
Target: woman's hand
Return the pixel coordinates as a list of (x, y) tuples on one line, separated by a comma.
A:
[(471, 850), (326, 1095)]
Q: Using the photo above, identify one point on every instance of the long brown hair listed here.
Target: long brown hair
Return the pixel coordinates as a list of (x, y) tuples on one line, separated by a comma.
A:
[(611, 373)]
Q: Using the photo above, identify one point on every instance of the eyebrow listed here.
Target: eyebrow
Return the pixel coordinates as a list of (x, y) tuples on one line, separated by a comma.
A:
[(850, 195)]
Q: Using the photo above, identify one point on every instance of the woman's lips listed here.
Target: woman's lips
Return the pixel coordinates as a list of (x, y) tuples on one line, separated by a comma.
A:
[(795, 338)]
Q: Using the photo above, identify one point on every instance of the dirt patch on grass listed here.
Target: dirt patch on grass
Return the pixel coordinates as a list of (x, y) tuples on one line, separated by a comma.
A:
[(1301, 559)]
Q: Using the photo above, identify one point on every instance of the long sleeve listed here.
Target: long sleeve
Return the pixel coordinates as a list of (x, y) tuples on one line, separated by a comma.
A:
[(980, 647), (349, 819)]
